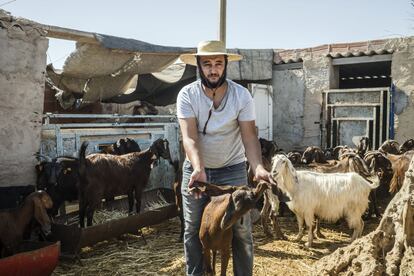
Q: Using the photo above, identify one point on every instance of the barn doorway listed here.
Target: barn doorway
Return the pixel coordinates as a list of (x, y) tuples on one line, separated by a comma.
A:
[(359, 103)]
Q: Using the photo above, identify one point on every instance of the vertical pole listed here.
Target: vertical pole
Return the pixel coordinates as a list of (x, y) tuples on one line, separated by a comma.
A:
[(222, 21)]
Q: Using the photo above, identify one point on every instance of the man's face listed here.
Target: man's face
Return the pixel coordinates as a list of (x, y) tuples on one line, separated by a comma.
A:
[(212, 67)]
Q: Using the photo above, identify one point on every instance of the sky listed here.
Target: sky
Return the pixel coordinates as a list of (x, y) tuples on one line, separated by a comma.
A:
[(253, 24)]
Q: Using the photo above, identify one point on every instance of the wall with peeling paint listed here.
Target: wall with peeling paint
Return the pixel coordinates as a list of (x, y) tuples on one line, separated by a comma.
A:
[(22, 84), (402, 72)]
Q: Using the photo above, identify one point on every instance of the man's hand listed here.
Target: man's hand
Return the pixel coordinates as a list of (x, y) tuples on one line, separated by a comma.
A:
[(262, 174), (199, 175)]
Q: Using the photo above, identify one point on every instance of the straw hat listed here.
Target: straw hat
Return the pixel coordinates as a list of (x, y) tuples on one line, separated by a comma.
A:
[(209, 48)]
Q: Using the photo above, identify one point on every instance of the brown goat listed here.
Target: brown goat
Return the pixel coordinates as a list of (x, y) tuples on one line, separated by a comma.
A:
[(268, 148), (349, 162), (104, 175), (407, 145), (390, 146), (270, 197), (227, 205), (270, 203), (14, 222), (338, 151), (313, 154), (122, 146), (294, 157), (400, 164), (377, 162)]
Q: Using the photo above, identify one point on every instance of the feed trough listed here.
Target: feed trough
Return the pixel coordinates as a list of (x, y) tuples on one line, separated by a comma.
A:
[(66, 227)]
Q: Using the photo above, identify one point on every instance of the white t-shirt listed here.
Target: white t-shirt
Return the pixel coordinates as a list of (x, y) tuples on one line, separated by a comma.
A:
[(221, 146)]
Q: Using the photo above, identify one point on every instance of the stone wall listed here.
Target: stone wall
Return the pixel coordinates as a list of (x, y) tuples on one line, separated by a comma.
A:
[(288, 107), (298, 103), (317, 76), (22, 84), (402, 73)]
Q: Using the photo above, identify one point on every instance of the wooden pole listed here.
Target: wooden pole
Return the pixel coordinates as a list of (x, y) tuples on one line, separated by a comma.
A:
[(222, 21)]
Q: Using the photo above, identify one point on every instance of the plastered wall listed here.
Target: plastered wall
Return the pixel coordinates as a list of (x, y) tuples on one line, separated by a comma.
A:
[(22, 79)]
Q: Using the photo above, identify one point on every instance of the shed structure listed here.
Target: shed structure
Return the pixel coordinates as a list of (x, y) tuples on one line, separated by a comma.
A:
[(334, 94)]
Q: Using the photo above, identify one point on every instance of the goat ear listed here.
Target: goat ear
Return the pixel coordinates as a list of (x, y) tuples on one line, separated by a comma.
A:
[(215, 190), (261, 187), (228, 214), (40, 212)]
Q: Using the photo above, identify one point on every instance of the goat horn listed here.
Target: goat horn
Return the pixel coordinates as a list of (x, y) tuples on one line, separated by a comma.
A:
[(369, 153), (352, 154)]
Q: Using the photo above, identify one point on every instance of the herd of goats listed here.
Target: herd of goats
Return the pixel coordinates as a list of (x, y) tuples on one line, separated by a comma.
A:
[(315, 185)]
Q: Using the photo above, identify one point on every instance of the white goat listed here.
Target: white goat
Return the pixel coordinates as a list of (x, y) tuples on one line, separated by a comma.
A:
[(327, 196)]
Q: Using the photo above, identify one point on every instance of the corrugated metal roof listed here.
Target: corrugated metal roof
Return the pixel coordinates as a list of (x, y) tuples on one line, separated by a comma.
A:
[(339, 50)]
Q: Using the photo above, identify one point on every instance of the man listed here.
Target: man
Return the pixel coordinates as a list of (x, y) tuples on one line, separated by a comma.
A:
[(217, 121)]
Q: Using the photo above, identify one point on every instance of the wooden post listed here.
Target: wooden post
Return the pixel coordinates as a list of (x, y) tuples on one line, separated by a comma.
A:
[(222, 21)]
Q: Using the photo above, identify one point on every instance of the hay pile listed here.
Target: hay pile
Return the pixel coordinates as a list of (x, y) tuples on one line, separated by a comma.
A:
[(104, 215), (163, 255)]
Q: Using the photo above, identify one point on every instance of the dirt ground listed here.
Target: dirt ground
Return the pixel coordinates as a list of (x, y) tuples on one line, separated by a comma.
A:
[(163, 255)]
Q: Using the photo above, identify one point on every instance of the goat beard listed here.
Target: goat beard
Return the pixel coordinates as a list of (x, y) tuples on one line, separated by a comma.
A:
[(288, 179)]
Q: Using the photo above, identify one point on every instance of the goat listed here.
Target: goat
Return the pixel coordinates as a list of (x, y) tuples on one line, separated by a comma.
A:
[(14, 222), (390, 146), (226, 206), (122, 146), (400, 164), (327, 196), (294, 157), (407, 145), (59, 178), (378, 163), (329, 154), (271, 201), (352, 162), (338, 151), (104, 175), (364, 144), (313, 154), (268, 148)]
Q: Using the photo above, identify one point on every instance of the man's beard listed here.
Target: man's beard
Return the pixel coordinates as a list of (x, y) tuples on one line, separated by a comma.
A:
[(206, 82)]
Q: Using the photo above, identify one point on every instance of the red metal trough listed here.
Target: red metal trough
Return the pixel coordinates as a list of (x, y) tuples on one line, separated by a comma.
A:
[(37, 259)]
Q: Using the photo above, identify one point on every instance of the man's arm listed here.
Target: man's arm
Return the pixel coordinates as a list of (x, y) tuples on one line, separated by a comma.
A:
[(190, 142), (253, 151)]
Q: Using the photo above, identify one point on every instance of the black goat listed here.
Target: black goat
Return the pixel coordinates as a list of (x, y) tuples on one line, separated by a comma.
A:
[(105, 175)]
